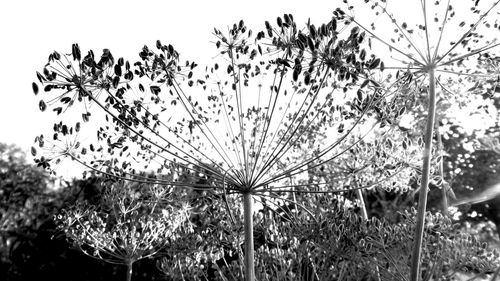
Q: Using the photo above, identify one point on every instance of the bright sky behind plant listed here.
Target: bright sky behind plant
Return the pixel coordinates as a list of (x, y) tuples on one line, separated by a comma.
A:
[(31, 30)]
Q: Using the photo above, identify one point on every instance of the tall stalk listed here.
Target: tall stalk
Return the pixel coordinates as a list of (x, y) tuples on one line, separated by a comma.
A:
[(422, 200), (129, 271), (248, 228)]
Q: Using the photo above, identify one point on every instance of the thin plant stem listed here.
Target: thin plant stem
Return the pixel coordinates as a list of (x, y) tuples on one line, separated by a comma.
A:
[(444, 190), (443, 25), (132, 129), (240, 115), (180, 269), (212, 139), (362, 205), (275, 196), (471, 29), (424, 10), (387, 44), (267, 118), (422, 202)]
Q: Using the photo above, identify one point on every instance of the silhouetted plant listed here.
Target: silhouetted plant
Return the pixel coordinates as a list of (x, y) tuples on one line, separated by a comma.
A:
[(262, 98)]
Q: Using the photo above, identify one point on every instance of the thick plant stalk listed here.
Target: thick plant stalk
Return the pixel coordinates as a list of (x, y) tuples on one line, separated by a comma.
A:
[(422, 200), (248, 228), (129, 271)]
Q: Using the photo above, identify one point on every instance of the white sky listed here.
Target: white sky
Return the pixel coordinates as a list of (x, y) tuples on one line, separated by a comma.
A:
[(31, 29)]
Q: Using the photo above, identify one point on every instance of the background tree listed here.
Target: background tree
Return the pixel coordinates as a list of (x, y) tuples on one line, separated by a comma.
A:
[(26, 202), (31, 245), (24, 190)]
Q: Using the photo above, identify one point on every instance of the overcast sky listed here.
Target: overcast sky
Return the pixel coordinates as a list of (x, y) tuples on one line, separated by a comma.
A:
[(32, 29)]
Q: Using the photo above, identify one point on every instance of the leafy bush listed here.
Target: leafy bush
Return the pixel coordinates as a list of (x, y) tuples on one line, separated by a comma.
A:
[(339, 245)]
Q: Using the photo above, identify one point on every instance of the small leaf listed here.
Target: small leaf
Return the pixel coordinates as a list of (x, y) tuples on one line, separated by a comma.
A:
[(33, 151), (362, 55), (302, 38), (42, 105), (35, 88), (85, 116), (296, 74), (75, 50), (65, 100), (269, 29), (116, 81), (402, 110), (253, 54), (40, 77), (286, 18), (333, 24), (312, 31), (58, 110), (310, 43), (374, 63), (118, 70), (307, 78), (155, 90)]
